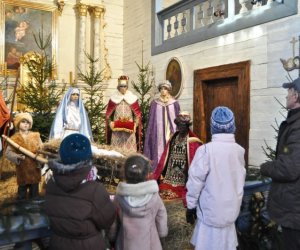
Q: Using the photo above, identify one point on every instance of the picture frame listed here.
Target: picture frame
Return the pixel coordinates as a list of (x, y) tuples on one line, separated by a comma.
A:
[(19, 21), (174, 76)]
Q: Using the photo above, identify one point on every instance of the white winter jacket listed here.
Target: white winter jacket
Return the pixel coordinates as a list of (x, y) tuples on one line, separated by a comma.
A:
[(216, 181)]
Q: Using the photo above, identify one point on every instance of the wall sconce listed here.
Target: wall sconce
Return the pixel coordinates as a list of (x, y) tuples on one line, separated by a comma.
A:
[(60, 6)]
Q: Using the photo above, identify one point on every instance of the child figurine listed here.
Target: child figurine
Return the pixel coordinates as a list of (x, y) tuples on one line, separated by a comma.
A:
[(27, 169), (77, 205), (141, 212)]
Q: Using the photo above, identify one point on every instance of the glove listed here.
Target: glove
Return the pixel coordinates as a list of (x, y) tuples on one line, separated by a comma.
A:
[(191, 216)]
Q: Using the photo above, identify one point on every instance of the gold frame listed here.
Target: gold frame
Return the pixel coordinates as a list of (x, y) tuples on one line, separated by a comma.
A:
[(174, 74), (33, 6)]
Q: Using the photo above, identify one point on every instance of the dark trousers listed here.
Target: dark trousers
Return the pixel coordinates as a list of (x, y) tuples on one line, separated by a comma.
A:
[(33, 191), (291, 238)]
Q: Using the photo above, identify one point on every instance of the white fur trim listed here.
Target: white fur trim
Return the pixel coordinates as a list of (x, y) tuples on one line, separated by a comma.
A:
[(129, 97), (138, 189)]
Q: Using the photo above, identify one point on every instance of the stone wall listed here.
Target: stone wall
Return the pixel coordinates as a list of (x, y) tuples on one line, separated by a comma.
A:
[(263, 45)]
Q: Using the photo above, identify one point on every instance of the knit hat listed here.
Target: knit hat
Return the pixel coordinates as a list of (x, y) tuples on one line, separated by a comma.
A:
[(222, 121), (22, 116), (183, 116), (75, 148), (166, 84)]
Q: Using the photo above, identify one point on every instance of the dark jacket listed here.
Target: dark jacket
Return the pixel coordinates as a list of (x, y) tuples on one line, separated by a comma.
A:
[(284, 196), (77, 211)]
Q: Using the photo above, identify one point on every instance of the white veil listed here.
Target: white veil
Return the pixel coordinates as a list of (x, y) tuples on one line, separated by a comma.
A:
[(57, 128)]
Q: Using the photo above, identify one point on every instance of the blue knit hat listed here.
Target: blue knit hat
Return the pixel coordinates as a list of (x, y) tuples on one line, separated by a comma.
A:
[(75, 148), (222, 121)]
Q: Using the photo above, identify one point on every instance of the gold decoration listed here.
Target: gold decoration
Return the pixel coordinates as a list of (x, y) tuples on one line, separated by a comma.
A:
[(97, 11), (82, 9), (60, 6)]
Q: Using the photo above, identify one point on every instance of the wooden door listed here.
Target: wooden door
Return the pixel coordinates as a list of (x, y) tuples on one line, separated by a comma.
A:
[(226, 85)]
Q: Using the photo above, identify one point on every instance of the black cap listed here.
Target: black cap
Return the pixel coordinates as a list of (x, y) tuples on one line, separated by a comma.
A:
[(294, 84)]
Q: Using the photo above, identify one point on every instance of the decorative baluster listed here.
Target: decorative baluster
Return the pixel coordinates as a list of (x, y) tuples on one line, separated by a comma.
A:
[(183, 22), (210, 12), (244, 7), (200, 15), (176, 25), (169, 27)]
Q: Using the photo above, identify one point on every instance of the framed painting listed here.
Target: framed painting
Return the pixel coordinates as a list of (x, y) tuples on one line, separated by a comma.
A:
[(20, 20), (174, 75)]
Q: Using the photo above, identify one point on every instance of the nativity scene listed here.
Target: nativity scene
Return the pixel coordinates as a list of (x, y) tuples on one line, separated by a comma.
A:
[(178, 118)]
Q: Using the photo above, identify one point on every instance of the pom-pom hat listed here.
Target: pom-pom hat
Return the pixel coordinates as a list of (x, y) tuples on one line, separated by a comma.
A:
[(23, 116), (75, 148), (222, 121)]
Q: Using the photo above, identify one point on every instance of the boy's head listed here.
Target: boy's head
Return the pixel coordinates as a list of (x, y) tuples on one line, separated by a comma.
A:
[(20, 117), (136, 168)]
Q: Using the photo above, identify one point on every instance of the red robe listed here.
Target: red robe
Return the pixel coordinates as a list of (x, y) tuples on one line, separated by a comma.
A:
[(135, 107), (192, 145), (4, 117)]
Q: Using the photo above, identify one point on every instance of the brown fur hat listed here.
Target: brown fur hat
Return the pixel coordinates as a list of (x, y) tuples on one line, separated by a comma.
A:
[(23, 116)]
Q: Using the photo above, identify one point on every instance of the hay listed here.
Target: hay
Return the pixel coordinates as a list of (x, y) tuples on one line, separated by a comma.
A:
[(52, 146), (180, 232), (8, 182)]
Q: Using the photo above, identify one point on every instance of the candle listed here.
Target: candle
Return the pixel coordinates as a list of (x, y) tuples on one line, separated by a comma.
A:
[(5, 69), (54, 74), (71, 77)]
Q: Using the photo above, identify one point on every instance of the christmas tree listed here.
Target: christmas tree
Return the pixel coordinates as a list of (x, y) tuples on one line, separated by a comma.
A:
[(144, 90), (94, 99)]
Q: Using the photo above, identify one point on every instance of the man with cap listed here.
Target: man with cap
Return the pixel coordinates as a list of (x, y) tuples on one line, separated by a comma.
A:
[(215, 186), (77, 205), (172, 169), (284, 196), (161, 125), (27, 169), (124, 119)]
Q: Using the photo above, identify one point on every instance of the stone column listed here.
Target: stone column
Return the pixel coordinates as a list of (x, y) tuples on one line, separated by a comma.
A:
[(82, 11), (98, 13)]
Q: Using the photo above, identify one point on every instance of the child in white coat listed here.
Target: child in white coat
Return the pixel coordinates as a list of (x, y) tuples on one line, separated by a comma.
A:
[(215, 186)]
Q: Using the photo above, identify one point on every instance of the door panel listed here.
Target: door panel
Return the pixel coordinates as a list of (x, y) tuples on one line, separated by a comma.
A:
[(219, 92), (226, 85)]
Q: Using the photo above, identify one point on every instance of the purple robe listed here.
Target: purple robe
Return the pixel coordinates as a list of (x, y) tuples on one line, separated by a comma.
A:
[(156, 138)]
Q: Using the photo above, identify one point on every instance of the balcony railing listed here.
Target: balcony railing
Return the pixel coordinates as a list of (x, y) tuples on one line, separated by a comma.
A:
[(192, 21)]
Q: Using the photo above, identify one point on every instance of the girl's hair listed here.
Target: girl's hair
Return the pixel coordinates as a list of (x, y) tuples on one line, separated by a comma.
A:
[(136, 168)]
